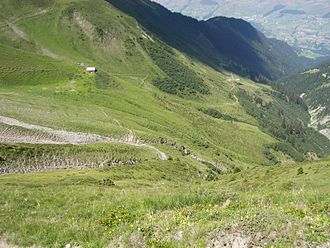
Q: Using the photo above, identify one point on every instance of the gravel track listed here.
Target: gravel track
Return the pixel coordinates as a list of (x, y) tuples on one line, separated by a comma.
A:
[(21, 132)]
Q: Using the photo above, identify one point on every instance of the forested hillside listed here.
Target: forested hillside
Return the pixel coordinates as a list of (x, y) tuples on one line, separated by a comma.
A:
[(313, 86)]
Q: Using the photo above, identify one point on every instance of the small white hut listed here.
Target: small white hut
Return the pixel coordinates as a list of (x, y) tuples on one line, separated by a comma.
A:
[(91, 69)]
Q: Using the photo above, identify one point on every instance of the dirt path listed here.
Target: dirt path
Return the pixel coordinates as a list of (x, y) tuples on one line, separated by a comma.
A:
[(233, 80), (15, 131), (20, 33), (27, 16), (5, 244), (202, 160)]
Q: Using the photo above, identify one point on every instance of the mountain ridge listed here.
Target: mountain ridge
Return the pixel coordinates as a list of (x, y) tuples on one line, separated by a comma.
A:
[(184, 30)]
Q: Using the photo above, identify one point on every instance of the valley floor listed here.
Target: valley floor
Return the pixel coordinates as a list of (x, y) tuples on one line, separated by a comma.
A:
[(168, 204)]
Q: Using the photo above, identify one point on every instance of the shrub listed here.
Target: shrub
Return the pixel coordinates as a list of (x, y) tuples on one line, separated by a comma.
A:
[(117, 217), (107, 182), (300, 171), (216, 114), (270, 156), (236, 170)]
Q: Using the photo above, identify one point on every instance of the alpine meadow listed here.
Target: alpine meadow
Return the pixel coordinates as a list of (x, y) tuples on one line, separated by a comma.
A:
[(123, 124)]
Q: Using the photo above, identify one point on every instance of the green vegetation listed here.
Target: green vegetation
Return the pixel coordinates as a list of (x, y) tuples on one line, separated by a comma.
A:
[(287, 120), (219, 42), (313, 87), (167, 204), (312, 82), (121, 95), (180, 79), (217, 129), (24, 68), (216, 114), (284, 148), (300, 171)]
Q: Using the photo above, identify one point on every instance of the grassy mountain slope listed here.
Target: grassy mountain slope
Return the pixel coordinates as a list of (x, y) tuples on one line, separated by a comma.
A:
[(121, 96), (53, 90), (167, 204), (208, 123)]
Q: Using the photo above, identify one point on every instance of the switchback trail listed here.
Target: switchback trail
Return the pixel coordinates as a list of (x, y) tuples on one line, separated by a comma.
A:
[(15, 131)]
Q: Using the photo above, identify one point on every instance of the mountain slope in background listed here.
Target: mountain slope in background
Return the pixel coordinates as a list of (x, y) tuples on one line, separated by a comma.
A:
[(303, 24), (219, 42), (314, 87)]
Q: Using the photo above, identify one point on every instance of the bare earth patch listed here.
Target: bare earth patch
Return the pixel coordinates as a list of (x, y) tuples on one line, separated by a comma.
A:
[(18, 31), (4, 244), (230, 239), (326, 245), (50, 54), (316, 120), (326, 132)]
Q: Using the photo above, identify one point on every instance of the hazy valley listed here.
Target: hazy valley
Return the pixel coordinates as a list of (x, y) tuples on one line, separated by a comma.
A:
[(303, 24)]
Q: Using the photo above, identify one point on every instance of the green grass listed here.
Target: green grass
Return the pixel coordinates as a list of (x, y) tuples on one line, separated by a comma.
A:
[(155, 200), (28, 69)]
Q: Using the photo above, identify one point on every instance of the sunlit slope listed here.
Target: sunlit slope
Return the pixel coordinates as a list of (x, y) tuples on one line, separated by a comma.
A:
[(152, 202), (43, 82)]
